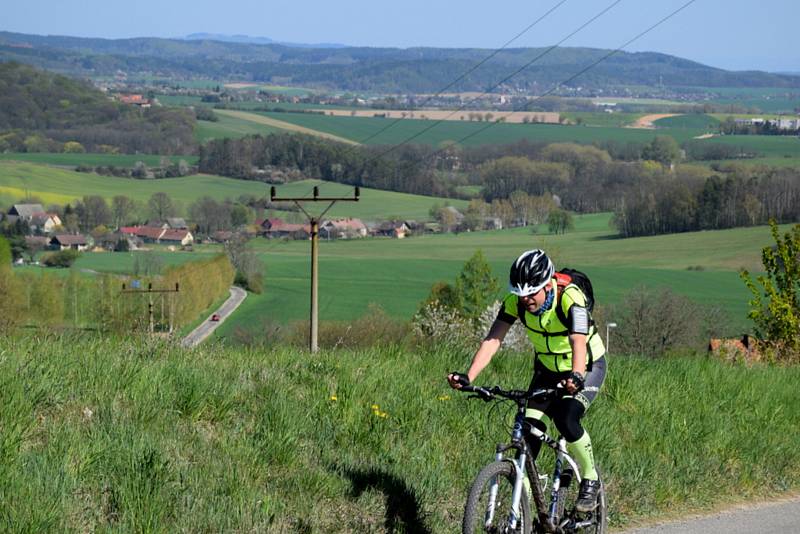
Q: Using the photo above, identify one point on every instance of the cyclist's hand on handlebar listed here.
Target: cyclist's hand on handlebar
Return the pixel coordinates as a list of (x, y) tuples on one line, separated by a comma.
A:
[(574, 384), (458, 380)]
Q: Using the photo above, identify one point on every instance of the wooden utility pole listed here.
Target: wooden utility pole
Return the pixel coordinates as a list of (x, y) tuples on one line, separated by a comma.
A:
[(314, 222), (135, 289)]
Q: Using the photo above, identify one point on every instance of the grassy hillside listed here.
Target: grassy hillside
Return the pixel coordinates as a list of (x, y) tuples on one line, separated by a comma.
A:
[(101, 435), (52, 185), (397, 274)]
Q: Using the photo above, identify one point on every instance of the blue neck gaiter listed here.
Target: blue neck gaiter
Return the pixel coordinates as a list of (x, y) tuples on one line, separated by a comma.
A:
[(548, 303)]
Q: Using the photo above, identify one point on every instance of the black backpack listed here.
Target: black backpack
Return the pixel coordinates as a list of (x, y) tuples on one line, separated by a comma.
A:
[(565, 277)]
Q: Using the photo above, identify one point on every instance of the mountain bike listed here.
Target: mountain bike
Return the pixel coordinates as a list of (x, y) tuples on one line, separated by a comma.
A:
[(498, 501)]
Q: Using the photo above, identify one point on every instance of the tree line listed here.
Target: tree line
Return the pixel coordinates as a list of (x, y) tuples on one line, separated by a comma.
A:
[(684, 201)]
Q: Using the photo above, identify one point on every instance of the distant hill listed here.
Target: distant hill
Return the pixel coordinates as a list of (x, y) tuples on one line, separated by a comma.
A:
[(41, 111), (411, 70), (255, 40)]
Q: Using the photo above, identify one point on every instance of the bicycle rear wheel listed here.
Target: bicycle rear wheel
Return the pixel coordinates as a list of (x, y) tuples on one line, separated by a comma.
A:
[(484, 514)]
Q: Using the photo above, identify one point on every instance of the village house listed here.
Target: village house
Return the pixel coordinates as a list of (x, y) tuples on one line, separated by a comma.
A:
[(292, 231), (222, 236), (159, 234), (44, 223), (343, 229), (111, 241), (267, 224), (176, 237), (177, 223), (395, 229), (135, 100), (26, 212), (68, 241)]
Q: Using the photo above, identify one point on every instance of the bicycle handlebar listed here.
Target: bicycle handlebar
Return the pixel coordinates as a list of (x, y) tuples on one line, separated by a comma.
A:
[(516, 395)]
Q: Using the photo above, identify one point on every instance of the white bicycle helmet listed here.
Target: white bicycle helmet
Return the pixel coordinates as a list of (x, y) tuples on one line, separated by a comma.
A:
[(530, 273)]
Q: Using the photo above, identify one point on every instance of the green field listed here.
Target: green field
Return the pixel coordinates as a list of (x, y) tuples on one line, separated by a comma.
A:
[(771, 146), (94, 160), (59, 186), (693, 121), (397, 274), (360, 128), (228, 126)]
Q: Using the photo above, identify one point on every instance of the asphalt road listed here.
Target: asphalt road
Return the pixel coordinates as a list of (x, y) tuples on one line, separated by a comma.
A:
[(782, 517), (206, 327)]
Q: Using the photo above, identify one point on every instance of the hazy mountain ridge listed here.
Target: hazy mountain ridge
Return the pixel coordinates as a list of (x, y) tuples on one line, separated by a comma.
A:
[(254, 40), (419, 69)]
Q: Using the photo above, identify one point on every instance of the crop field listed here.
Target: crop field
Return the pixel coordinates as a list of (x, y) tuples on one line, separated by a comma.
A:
[(360, 128), (229, 126), (397, 274), (600, 118), (73, 160), (771, 146), (694, 121), (59, 186)]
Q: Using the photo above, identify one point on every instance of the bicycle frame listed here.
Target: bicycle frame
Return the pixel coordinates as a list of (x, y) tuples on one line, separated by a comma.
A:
[(524, 465)]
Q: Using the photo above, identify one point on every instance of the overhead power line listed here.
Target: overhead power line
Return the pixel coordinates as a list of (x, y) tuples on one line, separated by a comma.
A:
[(501, 82), (574, 76), (471, 70)]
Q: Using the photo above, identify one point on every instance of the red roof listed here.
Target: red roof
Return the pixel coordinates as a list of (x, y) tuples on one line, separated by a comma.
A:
[(133, 230), (149, 232), (270, 223), (133, 99), (174, 235)]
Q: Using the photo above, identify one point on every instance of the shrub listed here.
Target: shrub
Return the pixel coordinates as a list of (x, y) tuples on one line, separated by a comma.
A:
[(654, 322), (475, 287), (62, 258), (775, 307), (438, 324)]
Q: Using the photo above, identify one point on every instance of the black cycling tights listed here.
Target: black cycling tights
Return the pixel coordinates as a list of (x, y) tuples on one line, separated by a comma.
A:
[(566, 415)]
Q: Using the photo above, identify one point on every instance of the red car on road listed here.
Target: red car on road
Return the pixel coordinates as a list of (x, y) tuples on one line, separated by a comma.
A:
[(215, 317)]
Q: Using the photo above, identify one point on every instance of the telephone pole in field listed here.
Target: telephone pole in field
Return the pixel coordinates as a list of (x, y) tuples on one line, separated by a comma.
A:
[(314, 222), (136, 288)]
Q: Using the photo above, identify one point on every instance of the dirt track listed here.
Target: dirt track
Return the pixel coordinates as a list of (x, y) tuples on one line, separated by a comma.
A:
[(267, 121), (648, 120)]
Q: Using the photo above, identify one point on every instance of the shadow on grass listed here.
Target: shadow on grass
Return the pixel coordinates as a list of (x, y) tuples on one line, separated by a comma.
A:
[(607, 237), (402, 507)]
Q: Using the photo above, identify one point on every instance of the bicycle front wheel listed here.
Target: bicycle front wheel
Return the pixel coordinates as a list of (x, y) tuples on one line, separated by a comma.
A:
[(488, 507)]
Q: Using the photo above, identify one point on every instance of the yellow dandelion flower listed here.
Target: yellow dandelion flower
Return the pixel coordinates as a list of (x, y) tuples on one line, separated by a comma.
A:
[(444, 397), (334, 398), (376, 407)]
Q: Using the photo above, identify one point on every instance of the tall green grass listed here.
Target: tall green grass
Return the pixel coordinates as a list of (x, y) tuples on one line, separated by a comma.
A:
[(139, 436)]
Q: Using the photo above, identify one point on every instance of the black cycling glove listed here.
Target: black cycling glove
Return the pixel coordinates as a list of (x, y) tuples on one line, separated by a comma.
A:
[(577, 380)]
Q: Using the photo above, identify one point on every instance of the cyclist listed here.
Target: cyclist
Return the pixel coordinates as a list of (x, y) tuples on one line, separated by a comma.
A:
[(569, 352)]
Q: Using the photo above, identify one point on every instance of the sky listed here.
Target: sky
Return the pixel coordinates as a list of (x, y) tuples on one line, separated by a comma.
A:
[(730, 34)]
